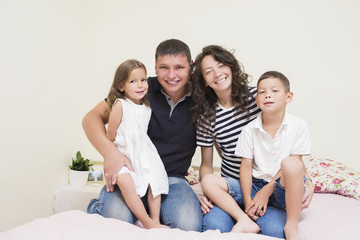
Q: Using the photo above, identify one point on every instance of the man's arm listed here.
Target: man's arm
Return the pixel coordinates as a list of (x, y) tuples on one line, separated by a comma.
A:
[(94, 126)]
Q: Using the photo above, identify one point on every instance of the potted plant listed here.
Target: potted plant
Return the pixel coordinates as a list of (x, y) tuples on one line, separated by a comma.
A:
[(79, 171)]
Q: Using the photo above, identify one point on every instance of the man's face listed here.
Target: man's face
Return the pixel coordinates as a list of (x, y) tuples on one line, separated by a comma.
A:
[(173, 73)]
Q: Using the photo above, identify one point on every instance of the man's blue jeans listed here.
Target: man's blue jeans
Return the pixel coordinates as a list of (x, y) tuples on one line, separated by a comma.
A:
[(179, 209), (271, 224)]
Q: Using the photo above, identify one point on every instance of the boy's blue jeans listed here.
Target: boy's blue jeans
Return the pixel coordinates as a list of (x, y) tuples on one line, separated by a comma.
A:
[(179, 209), (271, 224)]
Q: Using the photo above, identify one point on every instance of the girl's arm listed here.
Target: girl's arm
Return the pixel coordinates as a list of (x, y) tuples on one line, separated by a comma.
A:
[(94, 126), (114, 120)]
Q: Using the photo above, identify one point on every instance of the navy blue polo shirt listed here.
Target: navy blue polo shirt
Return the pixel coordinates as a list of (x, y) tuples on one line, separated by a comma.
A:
[(173, 136)]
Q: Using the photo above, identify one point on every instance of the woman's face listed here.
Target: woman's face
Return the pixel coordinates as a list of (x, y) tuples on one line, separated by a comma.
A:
[(217, 75)]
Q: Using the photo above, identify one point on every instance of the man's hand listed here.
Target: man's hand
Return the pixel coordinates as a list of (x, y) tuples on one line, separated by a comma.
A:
[(112, 165)]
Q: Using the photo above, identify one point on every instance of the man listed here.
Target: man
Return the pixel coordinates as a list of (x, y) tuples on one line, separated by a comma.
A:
[(173, 133)]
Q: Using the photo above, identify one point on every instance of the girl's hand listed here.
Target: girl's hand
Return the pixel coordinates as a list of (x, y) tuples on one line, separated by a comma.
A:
[(112, 165), (206, 204)]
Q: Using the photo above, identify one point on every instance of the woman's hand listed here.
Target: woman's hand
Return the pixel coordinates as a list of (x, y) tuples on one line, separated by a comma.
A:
[(206, 204), (308, 194)]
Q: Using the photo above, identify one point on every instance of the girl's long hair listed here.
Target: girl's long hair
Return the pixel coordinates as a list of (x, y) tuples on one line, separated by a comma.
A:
[(121, 76)]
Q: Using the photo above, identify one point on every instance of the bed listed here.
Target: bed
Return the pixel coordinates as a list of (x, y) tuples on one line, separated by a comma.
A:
[(333, 214)]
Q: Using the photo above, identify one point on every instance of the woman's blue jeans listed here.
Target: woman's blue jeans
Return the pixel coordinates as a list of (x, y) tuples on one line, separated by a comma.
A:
[(271, 224), (179, 209)]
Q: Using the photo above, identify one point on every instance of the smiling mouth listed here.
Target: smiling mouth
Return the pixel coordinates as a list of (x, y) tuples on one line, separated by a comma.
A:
[(173, 82), (221, 80)]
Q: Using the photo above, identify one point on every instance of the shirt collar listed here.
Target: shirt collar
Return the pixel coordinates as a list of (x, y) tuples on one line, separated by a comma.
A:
[(258, 121)]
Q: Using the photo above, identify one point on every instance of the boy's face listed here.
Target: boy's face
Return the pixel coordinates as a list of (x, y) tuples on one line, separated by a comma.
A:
[(272, 96), (173, 73)]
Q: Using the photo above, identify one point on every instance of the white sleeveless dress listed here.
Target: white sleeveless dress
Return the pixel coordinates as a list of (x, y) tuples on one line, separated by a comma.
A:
[(132, 140)]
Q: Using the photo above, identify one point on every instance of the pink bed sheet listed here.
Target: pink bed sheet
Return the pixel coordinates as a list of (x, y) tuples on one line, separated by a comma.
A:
[(329, 217)]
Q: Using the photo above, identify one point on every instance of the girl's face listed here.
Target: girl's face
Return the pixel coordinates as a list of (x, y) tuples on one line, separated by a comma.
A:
[(217, 75), (136, 86)]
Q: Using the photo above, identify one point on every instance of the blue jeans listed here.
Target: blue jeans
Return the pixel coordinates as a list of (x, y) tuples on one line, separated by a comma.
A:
[(179, 209), (271, 224)]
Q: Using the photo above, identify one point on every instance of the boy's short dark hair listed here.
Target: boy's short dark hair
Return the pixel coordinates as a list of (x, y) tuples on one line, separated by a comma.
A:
[(173, 47), (275, 74)]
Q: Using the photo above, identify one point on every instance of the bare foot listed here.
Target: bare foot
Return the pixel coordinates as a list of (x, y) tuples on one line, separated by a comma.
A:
[(245, 225), (159, 225), (291, 232), (154, 224)]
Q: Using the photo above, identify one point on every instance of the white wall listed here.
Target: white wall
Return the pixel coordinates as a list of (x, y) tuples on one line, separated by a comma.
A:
[(58, 58)]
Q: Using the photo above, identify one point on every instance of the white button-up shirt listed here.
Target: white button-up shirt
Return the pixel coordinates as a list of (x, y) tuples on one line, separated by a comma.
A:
[(293, 137)]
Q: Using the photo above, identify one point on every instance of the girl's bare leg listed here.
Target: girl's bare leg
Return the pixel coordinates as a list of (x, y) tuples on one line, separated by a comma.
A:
[(216, 188), (133, 201), (292, 179), (154, 208)]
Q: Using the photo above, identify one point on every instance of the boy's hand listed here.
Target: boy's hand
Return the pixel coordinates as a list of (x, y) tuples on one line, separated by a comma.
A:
[(258, 205), (250, 213)]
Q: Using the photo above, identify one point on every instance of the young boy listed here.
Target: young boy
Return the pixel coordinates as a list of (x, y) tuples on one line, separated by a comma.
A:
[(271, 148)]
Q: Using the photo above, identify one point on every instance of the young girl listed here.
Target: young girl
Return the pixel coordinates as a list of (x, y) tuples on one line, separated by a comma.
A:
[(127, 128)]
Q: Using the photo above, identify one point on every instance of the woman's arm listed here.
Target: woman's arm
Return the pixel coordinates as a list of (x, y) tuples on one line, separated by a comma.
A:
[(206, 166), (94, 126)]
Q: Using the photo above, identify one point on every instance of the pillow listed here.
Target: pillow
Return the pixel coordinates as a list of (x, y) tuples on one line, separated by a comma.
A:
[(193, 176), (330, 176)]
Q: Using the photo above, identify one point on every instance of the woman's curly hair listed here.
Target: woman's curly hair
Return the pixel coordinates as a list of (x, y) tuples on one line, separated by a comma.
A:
[(205, 98)]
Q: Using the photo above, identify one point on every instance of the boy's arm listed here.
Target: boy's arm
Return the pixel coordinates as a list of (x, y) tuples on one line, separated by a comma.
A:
[(246, 180), (94, 126), (246, 186)]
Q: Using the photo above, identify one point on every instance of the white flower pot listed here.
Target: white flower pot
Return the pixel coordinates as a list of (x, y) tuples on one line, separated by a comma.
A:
[(78, 179)]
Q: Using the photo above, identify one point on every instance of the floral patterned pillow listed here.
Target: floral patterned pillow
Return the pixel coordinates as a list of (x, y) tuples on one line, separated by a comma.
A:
[(330, 176), (193, 176)]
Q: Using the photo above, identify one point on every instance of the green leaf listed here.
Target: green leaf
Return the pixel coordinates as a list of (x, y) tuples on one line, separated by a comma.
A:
[(80, 164)]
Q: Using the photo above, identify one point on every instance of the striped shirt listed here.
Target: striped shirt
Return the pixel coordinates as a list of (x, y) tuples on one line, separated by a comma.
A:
[(225, 132)]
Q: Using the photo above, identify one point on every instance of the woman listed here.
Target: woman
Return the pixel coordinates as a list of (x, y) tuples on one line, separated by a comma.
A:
[(223, 105)]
